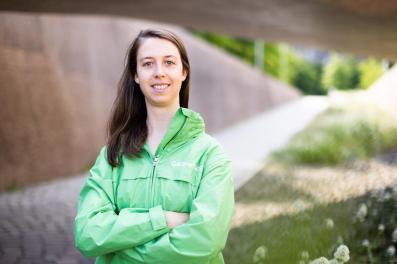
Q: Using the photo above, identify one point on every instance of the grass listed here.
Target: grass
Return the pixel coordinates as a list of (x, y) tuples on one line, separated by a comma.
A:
[(316, 229), (286, 237), (304, 203), (299, 210), (341, 134)]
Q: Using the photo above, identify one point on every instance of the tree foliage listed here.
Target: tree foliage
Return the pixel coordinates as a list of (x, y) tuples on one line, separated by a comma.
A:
[(341, 72), (370, 70), (282, 62)]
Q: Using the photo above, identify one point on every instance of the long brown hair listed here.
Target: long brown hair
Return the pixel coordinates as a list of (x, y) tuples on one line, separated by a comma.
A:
[(127, 129)]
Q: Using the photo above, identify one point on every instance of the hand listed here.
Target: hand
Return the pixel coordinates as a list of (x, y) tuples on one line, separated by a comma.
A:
[(175, 219)]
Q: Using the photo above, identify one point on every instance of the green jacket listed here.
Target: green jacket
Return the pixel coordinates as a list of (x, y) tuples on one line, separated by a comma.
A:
[(120, 214)]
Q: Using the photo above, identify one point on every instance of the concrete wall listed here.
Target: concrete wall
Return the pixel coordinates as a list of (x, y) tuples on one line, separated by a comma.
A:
[(361, 27), (384, 91), (58, 81)]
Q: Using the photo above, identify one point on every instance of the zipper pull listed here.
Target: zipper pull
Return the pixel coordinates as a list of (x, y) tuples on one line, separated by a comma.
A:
[(155, 160)]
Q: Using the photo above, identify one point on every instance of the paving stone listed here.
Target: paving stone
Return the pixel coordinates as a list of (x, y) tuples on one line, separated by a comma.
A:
[(11, 228), (10, 241), (36, 224), (51, 258), (68, 261), (8, 260), (86, 261), (33, 251), (24, 261), (11, 255)]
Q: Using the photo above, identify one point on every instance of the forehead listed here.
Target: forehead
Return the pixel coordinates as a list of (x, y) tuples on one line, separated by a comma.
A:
[(155, 47)]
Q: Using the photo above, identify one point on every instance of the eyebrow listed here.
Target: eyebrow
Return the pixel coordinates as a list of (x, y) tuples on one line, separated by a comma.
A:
[(148, 57)]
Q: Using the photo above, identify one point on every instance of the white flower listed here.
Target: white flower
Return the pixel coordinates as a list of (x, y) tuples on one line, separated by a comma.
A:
[(362, 212), (321, 260), (298, 205), (260, 254), (342, 254), (365, 243), (304, 255), (329, 223), (381, 227), (394, 235), (391, 251)]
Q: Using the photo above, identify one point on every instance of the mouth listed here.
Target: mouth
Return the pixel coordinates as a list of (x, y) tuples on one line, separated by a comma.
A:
[(160, 87)]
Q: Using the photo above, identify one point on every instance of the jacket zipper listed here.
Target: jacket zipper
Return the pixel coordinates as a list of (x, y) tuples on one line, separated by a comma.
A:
[(155, 160)]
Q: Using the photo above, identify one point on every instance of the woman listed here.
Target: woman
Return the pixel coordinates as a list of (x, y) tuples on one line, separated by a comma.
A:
[(161, 189)]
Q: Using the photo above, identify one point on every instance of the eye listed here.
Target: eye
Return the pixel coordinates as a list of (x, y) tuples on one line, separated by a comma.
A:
[(169, 62), (148, 63)]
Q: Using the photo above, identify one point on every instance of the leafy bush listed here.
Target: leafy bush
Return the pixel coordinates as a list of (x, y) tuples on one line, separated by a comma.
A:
[(370, 70), (341, 73), (341, 134), (307, 77)]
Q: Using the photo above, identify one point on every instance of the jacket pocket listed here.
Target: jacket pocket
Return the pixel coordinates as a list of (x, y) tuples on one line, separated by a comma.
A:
[(184, 175), (133, 187), (176, 187)]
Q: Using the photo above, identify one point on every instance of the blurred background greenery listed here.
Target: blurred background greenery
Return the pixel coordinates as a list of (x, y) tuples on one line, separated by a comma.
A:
[(313, 74)]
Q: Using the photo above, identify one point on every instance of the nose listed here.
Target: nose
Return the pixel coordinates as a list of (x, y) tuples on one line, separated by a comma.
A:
[(159, 72)]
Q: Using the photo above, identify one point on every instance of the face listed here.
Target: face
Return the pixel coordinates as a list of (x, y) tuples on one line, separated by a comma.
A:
[(159, 72)]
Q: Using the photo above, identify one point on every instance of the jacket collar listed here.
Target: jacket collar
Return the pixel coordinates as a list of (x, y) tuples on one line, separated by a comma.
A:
[(186, 124)]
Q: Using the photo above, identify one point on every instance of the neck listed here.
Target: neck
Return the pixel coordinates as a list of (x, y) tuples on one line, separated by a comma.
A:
[(158, 118)]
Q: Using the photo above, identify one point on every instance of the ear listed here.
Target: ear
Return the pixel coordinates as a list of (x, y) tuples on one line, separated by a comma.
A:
[(136, 78), (184, 74)]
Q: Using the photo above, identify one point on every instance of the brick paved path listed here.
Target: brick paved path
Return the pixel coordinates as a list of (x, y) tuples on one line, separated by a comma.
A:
[(36, 224)]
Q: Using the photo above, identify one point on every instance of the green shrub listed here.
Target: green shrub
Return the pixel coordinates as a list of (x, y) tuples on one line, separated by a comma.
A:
[(340, 73), (341, 134), (307, 77), (370, 71)]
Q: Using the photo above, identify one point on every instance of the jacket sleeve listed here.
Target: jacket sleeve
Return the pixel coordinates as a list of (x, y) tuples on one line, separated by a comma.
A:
[(205, 234), (98, 229)]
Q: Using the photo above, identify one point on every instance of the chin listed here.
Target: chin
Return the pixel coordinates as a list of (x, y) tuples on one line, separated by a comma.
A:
[(161, 103)]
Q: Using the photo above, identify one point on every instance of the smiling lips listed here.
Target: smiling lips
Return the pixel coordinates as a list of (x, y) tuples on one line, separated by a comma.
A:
[(160, 87)]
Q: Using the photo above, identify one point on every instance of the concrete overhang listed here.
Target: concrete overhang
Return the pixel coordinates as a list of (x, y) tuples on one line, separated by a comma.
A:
[(361, 27)]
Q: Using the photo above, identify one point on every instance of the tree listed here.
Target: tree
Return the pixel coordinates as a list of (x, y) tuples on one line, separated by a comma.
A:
[(307, 77), (340, 73), (370, 70)]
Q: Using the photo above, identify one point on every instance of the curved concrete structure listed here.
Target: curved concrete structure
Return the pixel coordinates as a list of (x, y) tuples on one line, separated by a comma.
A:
[(384, 92), (58, 81), (361, 27)]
